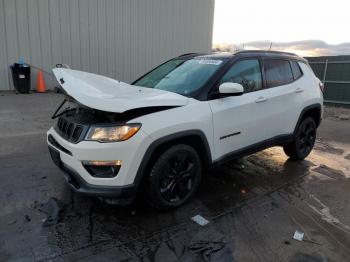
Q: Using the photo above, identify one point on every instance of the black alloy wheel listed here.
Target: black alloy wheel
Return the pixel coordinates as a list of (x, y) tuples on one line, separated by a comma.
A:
[(307, 137), (175, 177), (304, 140)]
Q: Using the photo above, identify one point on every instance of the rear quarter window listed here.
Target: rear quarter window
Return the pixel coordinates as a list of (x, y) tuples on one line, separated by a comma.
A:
[(277, 72), (297, 73)]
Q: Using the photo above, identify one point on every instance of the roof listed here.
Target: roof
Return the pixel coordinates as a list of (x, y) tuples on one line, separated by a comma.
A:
[(228, 55)]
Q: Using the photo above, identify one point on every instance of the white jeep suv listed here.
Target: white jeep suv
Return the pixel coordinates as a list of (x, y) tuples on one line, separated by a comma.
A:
[(189, 113)]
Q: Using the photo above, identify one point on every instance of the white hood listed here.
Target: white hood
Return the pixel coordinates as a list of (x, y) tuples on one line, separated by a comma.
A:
[(106, 94)]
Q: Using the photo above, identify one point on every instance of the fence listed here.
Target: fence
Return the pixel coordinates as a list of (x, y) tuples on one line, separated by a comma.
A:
[(334, 72)]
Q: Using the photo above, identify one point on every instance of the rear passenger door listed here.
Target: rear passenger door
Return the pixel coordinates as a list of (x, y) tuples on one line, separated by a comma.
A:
[(239, 121), (283, 95)]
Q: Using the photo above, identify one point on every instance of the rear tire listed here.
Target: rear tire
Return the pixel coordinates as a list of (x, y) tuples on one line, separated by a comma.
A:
[(303, 141), (174, 177)]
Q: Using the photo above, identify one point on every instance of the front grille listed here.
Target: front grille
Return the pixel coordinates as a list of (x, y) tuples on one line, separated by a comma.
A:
[(69, 130)]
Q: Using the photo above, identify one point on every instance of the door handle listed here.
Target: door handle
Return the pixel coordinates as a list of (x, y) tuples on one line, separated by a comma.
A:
[(260, 99), (299, 90)]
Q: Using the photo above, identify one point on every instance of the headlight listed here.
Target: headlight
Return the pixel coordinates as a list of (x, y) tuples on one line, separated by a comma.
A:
[(112, 133)]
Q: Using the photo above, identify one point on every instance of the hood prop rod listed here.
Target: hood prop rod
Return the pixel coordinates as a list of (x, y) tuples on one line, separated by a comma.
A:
[(55, 115)]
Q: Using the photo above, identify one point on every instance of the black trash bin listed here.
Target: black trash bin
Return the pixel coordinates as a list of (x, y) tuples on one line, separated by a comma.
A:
[(21, 77)]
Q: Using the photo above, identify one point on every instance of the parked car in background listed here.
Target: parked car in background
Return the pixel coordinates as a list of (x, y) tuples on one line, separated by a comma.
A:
[(188, 114)]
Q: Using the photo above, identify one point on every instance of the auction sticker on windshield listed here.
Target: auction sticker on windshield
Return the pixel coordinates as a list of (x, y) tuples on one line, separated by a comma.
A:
[(210, 62)]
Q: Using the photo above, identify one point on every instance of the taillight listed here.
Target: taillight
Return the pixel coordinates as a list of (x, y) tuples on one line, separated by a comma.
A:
[(321, 85)]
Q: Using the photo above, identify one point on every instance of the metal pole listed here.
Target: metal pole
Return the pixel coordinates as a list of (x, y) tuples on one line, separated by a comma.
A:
[(325, 71)]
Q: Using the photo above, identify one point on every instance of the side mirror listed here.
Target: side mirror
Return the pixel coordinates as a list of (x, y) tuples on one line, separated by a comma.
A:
[(231, 89)]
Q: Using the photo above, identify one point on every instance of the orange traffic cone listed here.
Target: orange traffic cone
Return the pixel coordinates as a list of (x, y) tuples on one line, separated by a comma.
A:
[(40, 85)]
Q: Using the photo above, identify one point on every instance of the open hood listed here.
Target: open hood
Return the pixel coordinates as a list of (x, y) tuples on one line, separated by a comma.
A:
[(106, 94)]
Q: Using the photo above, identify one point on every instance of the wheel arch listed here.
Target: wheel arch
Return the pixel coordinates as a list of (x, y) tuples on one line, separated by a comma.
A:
[(314, 111), (194, 138)]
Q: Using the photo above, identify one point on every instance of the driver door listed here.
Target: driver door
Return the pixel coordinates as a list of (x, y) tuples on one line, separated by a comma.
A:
[(239, 121)]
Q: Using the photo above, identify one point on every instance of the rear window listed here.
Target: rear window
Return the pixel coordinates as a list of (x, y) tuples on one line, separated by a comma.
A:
[(296, 70), (277, 72)]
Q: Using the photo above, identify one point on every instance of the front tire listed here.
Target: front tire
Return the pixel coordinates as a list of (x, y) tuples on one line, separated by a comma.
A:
[(303, 141), (174, 177)]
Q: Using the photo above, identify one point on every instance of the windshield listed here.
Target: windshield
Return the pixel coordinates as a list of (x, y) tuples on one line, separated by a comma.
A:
[(181, 76)]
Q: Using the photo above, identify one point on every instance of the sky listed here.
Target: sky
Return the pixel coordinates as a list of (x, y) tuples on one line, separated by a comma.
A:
[(307, 27)]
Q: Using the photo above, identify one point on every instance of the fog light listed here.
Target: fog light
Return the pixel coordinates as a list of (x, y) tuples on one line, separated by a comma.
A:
[(102, 169), (102, 163)]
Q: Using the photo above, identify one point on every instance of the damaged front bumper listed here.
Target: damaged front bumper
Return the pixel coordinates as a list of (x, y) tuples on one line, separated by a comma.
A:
[(125, 194), (79, 185), (70, 157)]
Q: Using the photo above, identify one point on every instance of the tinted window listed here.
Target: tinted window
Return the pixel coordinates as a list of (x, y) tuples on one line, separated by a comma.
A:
[(296, 69), (245, 72), (181, 76), (277, 72)]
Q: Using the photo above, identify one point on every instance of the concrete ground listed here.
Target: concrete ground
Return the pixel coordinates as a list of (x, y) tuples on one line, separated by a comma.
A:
[(253, 205)]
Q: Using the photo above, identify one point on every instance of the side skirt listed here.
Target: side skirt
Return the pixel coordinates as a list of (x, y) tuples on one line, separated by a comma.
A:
[(275, 141)]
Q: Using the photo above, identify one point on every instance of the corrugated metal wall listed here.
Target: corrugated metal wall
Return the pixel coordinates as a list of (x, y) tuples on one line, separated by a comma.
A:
[(117, 38), (334, 71)]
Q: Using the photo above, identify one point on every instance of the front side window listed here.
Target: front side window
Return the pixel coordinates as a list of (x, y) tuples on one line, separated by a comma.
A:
[(277, 72), (245, 72), (181, 76)]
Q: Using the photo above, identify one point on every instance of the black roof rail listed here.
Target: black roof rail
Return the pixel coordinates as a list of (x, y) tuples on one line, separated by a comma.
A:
[(267, 51), (186, 54)]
